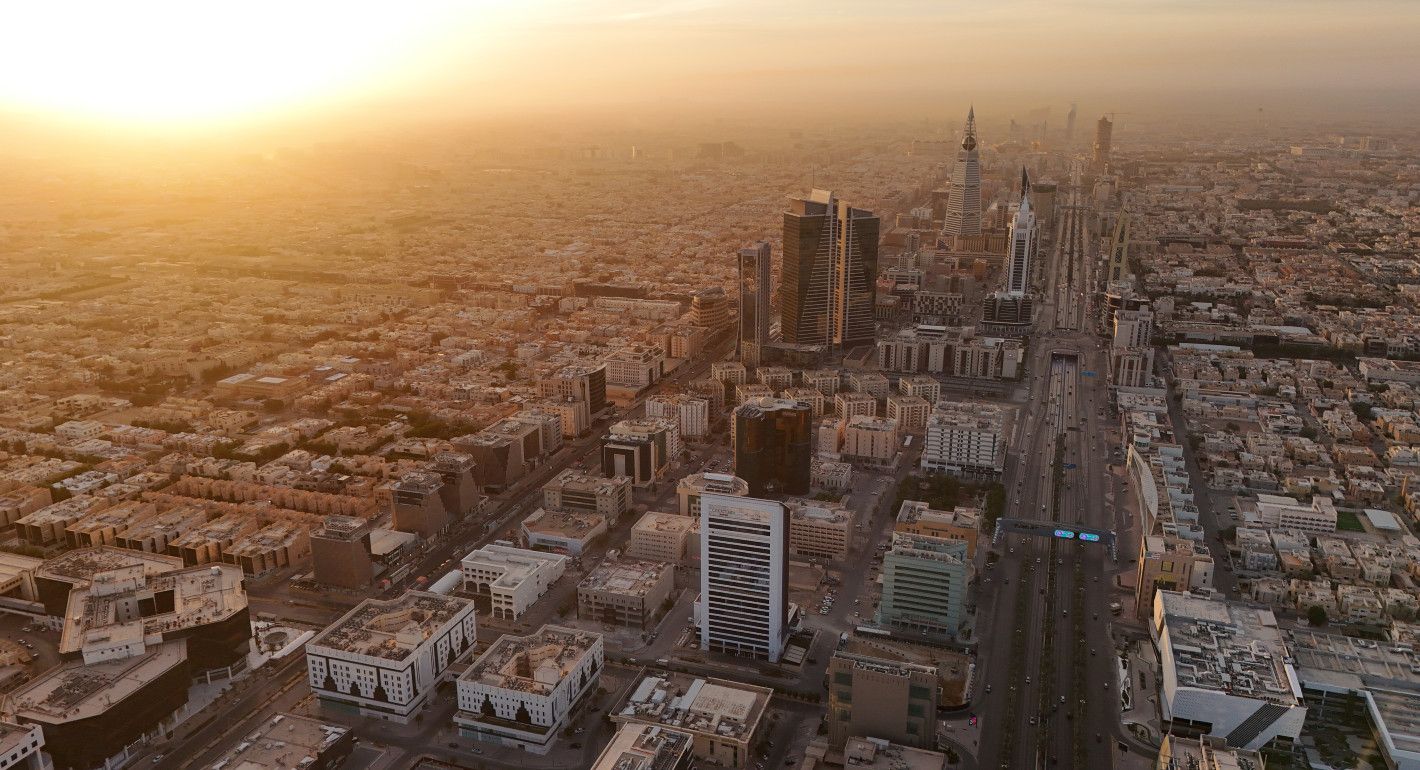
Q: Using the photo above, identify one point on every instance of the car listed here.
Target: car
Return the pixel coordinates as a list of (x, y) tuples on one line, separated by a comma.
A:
[(988, 688), (1034, 720), (1027, 680), (576, 745)]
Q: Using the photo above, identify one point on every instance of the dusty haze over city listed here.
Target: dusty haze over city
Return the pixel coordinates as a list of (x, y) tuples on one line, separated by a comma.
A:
[(633, 385)]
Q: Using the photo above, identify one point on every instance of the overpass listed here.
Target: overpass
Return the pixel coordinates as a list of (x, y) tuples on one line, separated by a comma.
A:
[(1058, 530)]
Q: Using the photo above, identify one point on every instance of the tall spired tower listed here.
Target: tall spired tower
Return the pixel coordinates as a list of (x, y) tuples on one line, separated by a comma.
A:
[(1023, 244), (964, 199)]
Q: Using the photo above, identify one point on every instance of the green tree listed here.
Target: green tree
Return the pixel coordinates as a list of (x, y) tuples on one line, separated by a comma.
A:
[(1316, 615)]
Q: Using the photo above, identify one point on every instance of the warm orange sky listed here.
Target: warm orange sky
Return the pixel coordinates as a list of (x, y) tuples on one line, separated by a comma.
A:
[(169, 63)]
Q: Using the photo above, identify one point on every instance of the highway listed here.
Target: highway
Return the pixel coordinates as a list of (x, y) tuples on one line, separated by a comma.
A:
[(1046, 690)]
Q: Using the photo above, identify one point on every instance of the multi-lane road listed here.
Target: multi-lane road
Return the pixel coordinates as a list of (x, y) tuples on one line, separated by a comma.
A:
[(1046, 694)]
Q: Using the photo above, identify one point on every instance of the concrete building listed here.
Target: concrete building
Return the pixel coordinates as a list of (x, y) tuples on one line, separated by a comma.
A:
[(1226, 671), (1168, 562), (384, 658), (93, 713), (924, 585), (1178, 753), (340, 552), (875, 695), (523, 689), (922, 386), (690, 488), (569, 532), (830, 476), (1280, 512), (573, 490), (878, 754), (870, 440), (661, 537), (509, 579), (626, 593), (816, 400), (722, 718), (874, 384), (640, 449), (22, 747), (744, 585), (635, 367), (644, 747), (691, 413), (909, 412), (288, 741), (915, 517), (849, 404), (460, 491), (123, 612), (586, 383), (818, 530), (418, 506), (966, 439)]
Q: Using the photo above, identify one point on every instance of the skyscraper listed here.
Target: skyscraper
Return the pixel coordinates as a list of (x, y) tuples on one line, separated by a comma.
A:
[(1023, 243), (829, 274), (1104, 131), (1070, 124), (1119, 249), (773, 445), (744, 583), (754, 302), (963, 215)]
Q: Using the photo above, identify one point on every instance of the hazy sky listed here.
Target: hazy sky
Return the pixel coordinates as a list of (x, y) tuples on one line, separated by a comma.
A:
[(164, 62)]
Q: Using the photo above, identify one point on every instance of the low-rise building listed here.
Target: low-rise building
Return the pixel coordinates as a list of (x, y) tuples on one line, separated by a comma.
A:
[(722, 718), (690, 488), (870, 440), (288, 741), (569, 532), (643, 747), (510, 579), (626, 593), (385, 657), (915, 517), (910, 412), (523, 689), (966, 439), (573, 490), (818, 530), (663, 537), (850, 404), (882, 697)]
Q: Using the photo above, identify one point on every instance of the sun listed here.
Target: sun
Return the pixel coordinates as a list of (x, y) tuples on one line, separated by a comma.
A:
[(169, 62)]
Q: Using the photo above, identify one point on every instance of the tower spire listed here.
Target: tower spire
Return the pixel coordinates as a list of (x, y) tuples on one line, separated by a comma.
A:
[(968, 138), (1025, 183)]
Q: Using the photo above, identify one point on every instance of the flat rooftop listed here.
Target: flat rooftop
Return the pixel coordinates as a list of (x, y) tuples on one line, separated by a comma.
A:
[(665, 522), (575, 524), (724, 483), (111, 605), (823, 513), (628, 577), (1227, 647), (728, 710), (915, 511), (515, 564), (877, 754), (391, 628), (74, 690), (1389, 672), (282, 742), (80, 565), (581, 481), (534, 663), (643, 747)]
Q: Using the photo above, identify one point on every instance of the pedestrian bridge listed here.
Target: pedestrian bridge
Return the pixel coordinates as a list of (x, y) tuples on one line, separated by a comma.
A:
[(1058, 530)]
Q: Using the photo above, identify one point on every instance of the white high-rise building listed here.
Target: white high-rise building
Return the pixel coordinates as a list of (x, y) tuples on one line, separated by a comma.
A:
[(963, 215), (744, 582), (1024, 238)]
